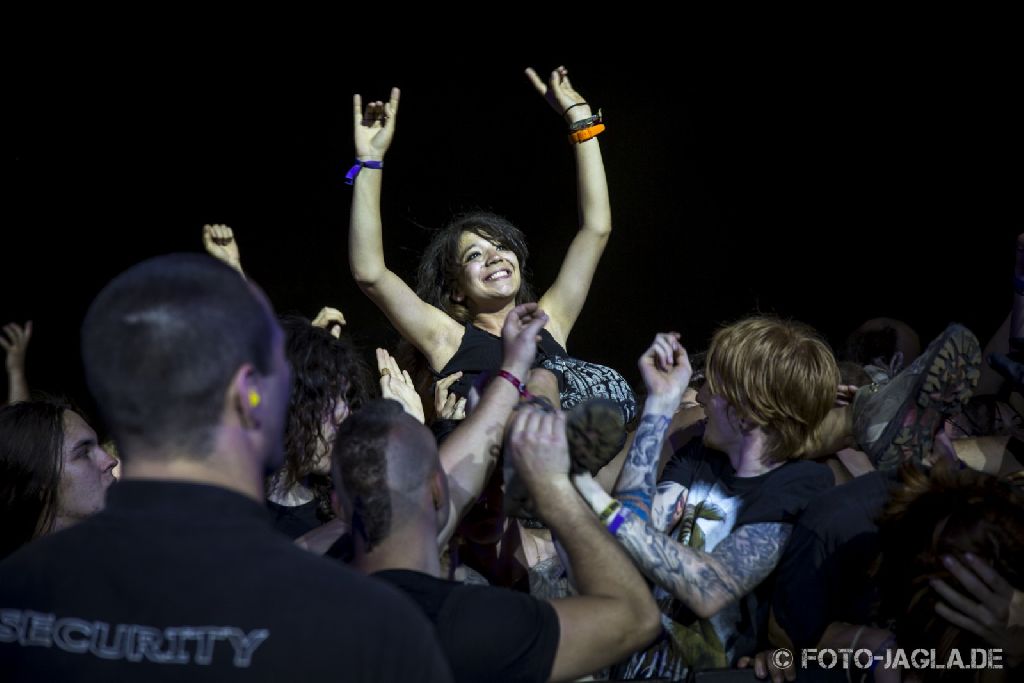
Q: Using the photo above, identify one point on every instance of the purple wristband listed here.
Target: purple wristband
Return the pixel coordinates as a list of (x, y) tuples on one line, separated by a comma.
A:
[(617, 521), (350, 177)]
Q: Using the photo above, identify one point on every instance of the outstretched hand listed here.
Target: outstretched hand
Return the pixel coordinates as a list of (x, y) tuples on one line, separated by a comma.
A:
[(219, 241), (560, 94), (519, 337), (665, 367), (374, 126), (397, 385), (14, 340), (448, 406), (990, 609)]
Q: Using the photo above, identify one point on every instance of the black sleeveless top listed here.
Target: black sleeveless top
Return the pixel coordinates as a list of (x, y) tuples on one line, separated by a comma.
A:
[(481, 352)]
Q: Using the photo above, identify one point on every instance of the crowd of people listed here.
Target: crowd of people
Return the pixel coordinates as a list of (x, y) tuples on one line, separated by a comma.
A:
[(487, 507)]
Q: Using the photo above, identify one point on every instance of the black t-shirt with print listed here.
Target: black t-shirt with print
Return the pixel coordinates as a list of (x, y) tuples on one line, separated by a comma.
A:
[(717, 502)]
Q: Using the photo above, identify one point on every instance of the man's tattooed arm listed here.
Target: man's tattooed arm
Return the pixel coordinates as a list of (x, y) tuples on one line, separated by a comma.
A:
[(637, 484), (706, 582)]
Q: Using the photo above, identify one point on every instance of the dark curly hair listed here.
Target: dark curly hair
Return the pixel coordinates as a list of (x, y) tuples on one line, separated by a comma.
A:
[(438, 272), (945, 512), (31, 441), (324, 370)]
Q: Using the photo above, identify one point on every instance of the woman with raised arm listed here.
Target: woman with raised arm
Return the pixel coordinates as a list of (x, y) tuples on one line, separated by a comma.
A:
[(471, 274)]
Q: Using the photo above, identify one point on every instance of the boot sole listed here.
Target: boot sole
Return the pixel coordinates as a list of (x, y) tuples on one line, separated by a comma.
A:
[(595, 432), (940, 391)]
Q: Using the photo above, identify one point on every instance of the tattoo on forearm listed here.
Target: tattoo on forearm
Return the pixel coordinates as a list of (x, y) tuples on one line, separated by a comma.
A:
[(706, 582), (638, 481)]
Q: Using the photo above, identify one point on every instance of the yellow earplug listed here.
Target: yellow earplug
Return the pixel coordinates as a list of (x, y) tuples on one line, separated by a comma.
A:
[(254, 399)]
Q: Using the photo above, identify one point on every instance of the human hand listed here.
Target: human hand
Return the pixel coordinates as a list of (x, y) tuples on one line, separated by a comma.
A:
[(448, 406), (666, 370), (992, 609), (374, 127), (560, 94), (396, 384), (538, 449), (764, 666), (14, 340), (331, 319), (220, 243), (845, 394), (519, 338)]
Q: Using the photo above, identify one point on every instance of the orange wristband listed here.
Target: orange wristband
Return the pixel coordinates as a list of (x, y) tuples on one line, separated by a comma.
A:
[(586, 133)]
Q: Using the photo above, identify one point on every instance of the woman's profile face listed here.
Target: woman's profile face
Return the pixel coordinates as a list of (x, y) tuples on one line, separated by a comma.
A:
[(488, 270), (86, 472)]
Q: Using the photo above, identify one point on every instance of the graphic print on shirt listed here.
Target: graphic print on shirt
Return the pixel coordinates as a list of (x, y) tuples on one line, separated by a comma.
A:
[(698, 518)]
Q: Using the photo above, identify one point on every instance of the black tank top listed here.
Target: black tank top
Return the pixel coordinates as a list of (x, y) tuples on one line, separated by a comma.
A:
[(481, 351)]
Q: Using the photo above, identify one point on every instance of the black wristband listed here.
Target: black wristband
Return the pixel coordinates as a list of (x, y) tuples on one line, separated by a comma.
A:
[(572, 106)]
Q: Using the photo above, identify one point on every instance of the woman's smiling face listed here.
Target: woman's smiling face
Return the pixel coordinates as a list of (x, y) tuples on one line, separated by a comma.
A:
[(488, 270)]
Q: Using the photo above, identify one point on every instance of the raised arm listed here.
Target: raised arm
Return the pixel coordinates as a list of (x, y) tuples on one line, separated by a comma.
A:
[(219, 241), (14, 340), (425, 327), (565, 299), (469, 453), (666, 370), (704, 582), (614, 614)]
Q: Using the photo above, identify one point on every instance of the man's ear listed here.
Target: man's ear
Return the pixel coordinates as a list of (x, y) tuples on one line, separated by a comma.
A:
[(246, 396), (738, 421), (436, 491), (443, 508)]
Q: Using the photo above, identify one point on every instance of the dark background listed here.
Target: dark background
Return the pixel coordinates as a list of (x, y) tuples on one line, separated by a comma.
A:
[(829, 180)]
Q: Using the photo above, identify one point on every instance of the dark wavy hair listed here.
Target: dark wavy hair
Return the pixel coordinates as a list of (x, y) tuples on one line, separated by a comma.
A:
[(438, 272), (324, 370), (31, 442), (946, 512)]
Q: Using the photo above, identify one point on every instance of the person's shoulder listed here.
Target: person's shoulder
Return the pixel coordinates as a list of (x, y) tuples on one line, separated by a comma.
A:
[(846, 501), (512, 635), (49, 552), (503, 612), (690, 453), (805, 472), (782, 494)]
